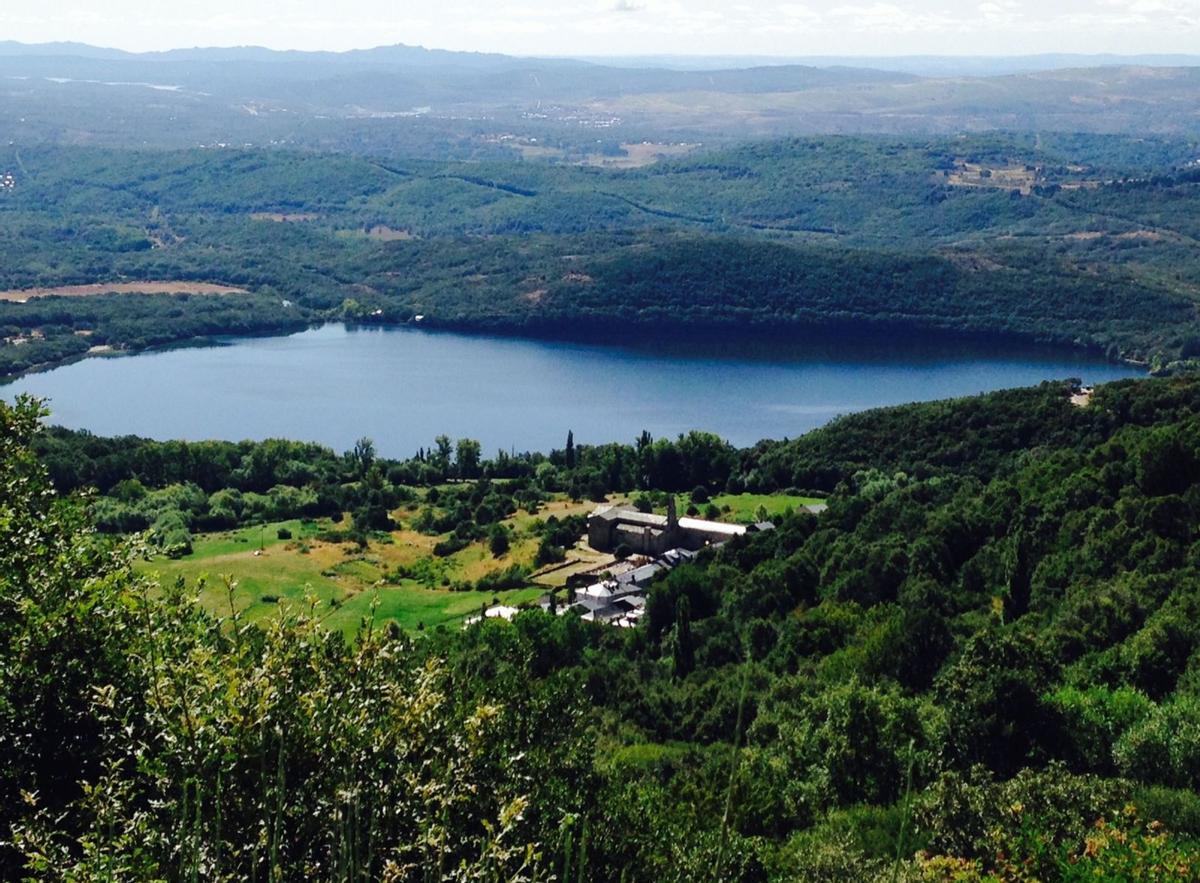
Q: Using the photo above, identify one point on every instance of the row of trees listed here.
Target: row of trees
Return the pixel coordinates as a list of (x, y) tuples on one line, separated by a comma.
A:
[(173, 488)]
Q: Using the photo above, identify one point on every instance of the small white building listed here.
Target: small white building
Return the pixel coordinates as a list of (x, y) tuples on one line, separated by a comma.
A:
[(500, 611)]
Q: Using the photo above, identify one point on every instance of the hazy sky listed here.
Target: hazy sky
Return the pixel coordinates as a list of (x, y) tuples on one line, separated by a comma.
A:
[(617, 27)]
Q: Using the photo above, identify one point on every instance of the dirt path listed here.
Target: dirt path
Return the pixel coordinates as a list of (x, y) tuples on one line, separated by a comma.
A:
[(20, 295)]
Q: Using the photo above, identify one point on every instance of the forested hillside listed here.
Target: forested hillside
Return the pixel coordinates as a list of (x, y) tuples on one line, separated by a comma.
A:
[(1076, 240), (979, 663)]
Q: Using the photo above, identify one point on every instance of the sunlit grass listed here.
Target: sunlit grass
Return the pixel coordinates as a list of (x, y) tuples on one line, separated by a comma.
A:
[(745, 507), (267, 573)]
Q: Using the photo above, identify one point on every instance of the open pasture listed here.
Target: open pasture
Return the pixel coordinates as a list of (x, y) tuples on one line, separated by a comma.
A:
[(21, 295)]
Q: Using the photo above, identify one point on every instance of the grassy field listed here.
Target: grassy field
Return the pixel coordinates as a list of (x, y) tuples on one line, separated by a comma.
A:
[(345, 580), (413, 606), (745, 507), (20, 295), (267, 572), (257, 572)]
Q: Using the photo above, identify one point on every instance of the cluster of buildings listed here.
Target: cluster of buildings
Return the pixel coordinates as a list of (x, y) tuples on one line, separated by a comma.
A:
[(647, 545), (662, 542), (8, 182), (22, 339), (619, 599)]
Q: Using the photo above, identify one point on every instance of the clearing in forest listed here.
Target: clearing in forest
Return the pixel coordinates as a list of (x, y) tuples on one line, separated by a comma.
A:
[(283, 218), (272, 573), (20, 295)]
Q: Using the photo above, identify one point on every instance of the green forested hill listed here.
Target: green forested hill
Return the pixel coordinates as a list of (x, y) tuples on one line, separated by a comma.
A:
[(979, 663), (1081, 240), (865, 189), (977, 436)]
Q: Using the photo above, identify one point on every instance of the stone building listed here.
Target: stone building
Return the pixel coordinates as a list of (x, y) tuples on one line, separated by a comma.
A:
[(644, 533)]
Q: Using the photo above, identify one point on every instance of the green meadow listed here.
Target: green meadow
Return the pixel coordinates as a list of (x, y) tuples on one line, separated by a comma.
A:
[(745, 507), (231, 567), (256, 572)]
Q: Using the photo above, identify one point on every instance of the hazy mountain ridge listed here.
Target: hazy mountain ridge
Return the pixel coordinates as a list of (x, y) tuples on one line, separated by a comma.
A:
[(919, 65), (458, 77), (400, 53), (473, 104)]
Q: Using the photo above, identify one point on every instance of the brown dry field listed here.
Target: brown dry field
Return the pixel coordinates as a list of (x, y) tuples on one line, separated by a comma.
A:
[(1001, 177), (1143, 234), (637, 154), (20, 295), (279, 218), (380, 233)]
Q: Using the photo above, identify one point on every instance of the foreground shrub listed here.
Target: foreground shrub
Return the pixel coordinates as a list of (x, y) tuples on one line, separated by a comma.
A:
[(141, 738)]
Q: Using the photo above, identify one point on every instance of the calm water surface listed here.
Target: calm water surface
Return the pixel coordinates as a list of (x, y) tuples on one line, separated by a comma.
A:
[(402, 387)]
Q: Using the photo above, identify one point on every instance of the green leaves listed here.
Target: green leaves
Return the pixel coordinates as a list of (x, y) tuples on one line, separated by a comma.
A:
[(1163, 747), (162, 742)]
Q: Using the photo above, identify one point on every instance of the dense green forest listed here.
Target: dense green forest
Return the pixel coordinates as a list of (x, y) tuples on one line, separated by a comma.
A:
[(978, 663), (1075, 240)]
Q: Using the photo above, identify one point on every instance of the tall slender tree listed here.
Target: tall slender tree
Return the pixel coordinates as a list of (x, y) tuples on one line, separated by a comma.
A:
[(685, 649)]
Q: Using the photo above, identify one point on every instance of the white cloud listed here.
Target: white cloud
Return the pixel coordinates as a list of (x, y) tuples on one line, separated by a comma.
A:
[(1000, 12), (798, 12), (891, 18)]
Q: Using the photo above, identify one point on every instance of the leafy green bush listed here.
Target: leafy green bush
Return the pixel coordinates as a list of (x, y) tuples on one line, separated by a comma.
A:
[(498, 541), (1093, 720), (1164, 747), (186, 746), (447, 547), (515, 576)]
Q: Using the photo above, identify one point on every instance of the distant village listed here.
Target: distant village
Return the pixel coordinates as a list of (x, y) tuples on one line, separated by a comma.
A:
[(644, 545)]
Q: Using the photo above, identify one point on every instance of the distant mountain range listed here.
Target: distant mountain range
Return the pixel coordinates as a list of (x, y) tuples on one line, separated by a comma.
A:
[(918, 65), (391, 78), (441, 103), (417, 56)]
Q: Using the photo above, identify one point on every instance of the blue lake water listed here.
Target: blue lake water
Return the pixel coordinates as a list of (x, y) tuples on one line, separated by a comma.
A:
[(401, 387)]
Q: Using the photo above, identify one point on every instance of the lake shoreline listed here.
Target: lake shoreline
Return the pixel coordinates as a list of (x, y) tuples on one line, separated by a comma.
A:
[(621, 333), (614, 333), (402, 386)]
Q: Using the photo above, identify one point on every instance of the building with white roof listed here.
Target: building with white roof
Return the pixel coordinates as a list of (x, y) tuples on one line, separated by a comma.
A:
[(645, 533)]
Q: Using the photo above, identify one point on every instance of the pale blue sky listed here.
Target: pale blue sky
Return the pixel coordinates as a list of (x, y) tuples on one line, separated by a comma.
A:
[(617, 27)]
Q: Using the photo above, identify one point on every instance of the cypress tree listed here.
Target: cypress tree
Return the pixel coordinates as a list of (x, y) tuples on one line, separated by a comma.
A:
[(685, 651)]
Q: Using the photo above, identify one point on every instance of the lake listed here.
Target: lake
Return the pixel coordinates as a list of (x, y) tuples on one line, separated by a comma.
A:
[(402, 386)]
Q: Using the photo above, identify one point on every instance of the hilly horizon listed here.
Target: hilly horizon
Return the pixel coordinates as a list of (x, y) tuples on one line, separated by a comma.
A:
[(920, 64), (405, 100)]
